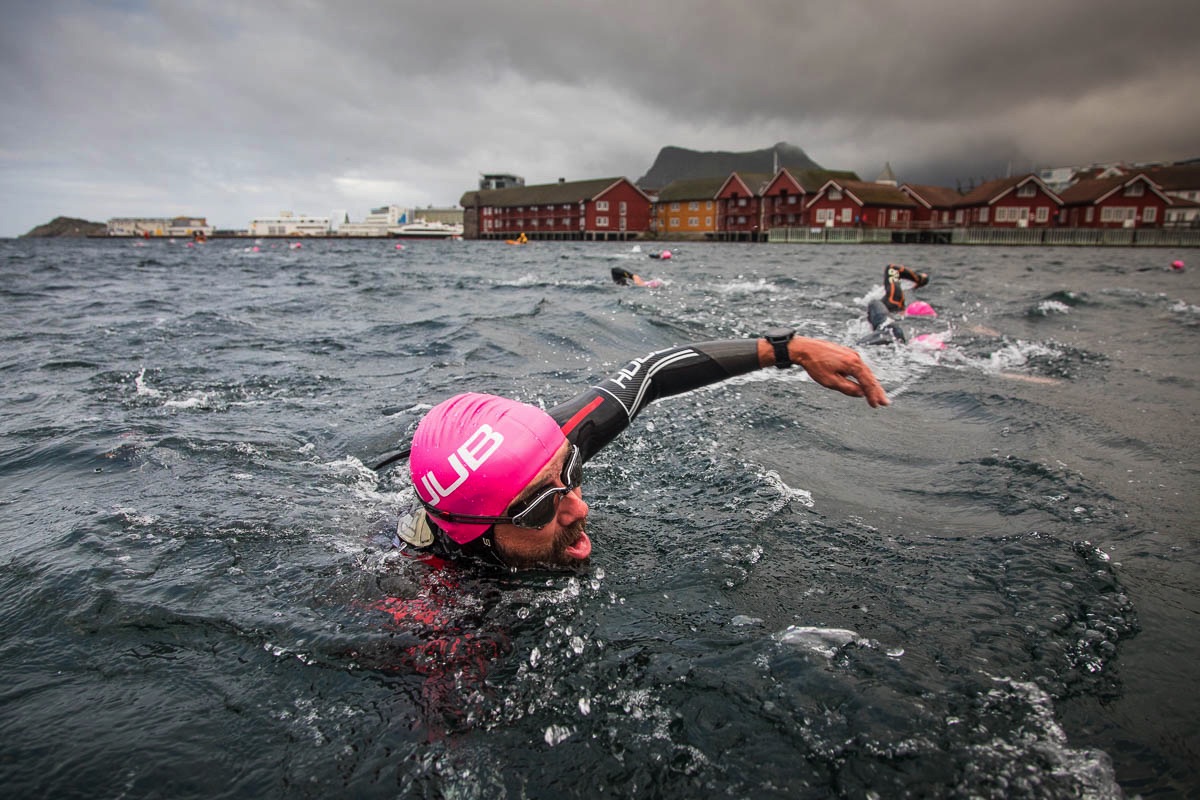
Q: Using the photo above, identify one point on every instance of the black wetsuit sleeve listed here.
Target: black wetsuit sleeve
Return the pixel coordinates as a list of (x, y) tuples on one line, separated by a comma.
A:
[(595, 417), (621, 275)]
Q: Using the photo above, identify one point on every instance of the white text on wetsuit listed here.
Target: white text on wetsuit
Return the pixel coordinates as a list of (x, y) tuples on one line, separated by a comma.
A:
[(629, 371), (468, 458)]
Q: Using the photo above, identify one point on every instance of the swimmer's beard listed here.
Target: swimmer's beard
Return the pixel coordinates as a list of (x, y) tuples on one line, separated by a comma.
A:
[(570, 551)]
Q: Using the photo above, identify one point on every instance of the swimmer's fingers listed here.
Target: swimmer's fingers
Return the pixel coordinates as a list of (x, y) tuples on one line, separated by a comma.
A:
[(838, 368)]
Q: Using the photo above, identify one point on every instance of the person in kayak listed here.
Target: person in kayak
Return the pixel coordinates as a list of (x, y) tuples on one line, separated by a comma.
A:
[(500, 481)]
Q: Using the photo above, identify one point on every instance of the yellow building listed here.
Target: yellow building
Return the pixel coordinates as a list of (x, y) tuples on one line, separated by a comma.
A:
[(687, 209)]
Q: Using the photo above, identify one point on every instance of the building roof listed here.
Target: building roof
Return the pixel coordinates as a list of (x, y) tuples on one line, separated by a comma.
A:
[(542, 194), (691, 189), (1175, 178), (1097, 190), (812, 180), (874, 194), (932, 196), (756, 182), (991, 191)]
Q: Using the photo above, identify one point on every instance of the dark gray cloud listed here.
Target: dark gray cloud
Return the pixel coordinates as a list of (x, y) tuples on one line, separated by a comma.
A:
[(235, 110)]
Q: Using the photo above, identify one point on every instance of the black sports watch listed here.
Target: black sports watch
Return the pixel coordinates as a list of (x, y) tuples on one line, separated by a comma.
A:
[(778, 338)]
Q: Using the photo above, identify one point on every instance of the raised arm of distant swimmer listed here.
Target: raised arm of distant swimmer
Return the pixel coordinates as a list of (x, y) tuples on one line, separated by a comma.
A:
[(831, 365)]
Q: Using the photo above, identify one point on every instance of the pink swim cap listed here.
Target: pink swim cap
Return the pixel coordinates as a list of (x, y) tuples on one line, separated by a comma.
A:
[(474, 453), (919, 308)]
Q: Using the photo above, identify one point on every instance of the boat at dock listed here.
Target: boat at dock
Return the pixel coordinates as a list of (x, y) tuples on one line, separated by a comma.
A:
[(420, 229)]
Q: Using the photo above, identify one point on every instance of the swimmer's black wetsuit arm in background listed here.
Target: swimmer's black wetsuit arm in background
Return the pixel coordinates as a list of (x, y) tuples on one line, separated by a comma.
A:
[(595, 417)]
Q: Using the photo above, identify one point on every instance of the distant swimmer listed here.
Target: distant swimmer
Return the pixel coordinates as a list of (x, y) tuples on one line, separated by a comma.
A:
[(884, 329), (622, 277), (893, 293), (665, 255)]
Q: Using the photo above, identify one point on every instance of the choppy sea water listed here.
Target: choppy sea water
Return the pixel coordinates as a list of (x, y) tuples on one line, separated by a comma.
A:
[(988, 589)]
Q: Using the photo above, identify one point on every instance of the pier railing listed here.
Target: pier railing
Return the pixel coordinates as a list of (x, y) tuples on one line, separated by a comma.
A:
[(1056, 237)]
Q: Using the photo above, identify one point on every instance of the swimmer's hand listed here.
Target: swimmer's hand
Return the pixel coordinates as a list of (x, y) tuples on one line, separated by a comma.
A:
[(837, 367)]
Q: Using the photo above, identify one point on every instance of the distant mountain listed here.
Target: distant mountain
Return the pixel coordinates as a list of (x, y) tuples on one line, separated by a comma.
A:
[(678, 163), (66, 226)]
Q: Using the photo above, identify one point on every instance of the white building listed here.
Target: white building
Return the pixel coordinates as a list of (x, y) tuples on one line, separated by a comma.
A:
[(289, 224), (377, 222), (159, 226)]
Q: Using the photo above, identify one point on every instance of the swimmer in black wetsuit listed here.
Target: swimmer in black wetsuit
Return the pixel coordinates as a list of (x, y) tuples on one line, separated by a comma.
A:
[(500, 480), (884, 329), (893, 292), (622, 276)]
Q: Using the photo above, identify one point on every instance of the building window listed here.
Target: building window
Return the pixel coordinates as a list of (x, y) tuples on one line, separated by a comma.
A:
[(708, 222), (1149, 214), (1110, 214), (1024, 190), (1135, 190), (621, 207), (674, 223), (694, 205), (846, 214), (791, 199), (601, 222), (983, 215), (824, 214), (693, 222), (1089, 216), (1043, 214), (602, 205), (674, 206), (708, 206), (835, 194), (741, 201)]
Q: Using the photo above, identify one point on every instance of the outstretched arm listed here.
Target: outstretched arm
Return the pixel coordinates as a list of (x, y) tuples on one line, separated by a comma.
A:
[(597, 415)]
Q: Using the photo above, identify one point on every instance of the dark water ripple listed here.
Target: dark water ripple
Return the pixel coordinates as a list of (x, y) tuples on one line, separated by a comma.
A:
[(987, 590)]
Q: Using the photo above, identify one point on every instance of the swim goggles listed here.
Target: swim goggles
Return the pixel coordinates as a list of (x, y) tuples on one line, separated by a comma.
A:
[(537, 512)]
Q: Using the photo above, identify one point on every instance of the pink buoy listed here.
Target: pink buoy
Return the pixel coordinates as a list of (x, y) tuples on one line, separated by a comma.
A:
[(920, 308), (399, 247)]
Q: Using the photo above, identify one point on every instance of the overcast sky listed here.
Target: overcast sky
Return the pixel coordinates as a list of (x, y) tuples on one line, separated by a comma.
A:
[(233, 109)]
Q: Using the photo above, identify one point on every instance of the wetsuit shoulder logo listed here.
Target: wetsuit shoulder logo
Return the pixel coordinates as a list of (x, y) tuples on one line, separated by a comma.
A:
[(469, 457)]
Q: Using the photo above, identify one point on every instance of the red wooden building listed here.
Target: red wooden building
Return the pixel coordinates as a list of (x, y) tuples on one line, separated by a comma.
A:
[(599, 209), (935, 205), (844, 203), (1125, 201), (739, 208), (1019, 202)]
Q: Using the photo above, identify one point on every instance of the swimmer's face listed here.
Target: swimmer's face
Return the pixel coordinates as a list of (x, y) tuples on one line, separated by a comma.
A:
[(562, 542)]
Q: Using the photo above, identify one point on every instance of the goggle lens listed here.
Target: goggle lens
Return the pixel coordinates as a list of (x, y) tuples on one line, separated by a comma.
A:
[(540, 510)]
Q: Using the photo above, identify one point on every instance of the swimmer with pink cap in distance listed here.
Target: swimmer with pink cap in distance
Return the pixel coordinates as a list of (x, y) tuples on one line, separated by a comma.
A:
[(501, 481)]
